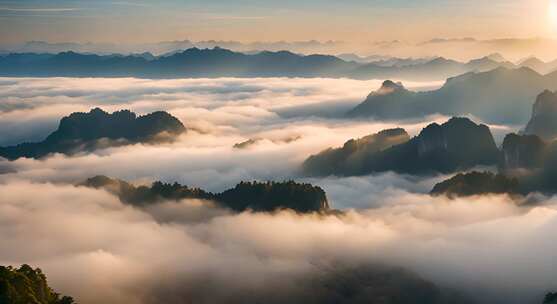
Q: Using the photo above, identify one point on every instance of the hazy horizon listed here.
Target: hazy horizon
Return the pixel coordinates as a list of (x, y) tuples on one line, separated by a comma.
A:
[(364, 27)]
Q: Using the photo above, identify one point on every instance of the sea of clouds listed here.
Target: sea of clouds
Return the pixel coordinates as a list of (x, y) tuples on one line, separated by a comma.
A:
[(90, 245)]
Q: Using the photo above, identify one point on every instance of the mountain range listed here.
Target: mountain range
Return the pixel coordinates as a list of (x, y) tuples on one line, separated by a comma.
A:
[(219, 62), (499, 96), (168, 47)]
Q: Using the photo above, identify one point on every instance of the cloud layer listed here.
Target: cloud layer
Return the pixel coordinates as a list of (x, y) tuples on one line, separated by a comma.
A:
[(92, 246)]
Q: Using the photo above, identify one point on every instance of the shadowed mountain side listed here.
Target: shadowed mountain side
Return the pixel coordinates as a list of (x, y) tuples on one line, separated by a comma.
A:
[(89, 131), (255, 196), (219, 62), (355, 156), (498, 96), (532, 158), (550, 298), (26, 285), (522, 152), (458, 144), (527, 164), (543, 122), (476, 183)]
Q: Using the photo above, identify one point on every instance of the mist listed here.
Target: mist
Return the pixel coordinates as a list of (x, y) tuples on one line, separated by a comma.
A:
[(95, 248)]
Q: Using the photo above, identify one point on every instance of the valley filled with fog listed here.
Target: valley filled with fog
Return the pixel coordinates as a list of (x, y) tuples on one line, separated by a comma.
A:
[(479, 249)]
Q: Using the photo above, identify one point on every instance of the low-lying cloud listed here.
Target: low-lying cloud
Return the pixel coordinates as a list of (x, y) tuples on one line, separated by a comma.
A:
[(96, 249)]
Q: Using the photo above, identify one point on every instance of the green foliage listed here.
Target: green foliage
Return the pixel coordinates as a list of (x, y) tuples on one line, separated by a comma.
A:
[(26, 285), (270, 196), (255, 196), (550, 298), (476, 183), (97, 129)]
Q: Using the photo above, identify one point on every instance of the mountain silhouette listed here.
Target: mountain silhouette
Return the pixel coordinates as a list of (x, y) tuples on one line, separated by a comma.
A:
[(527, 163), (476, 183), (353, 158), (88, 131), (497, 96), (458, 144), (255, 196), (220, 62), (522, 152), (543, 122)]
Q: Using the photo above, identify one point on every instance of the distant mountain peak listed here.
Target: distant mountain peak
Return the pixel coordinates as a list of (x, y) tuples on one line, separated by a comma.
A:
[(497, 57), (389, 87)]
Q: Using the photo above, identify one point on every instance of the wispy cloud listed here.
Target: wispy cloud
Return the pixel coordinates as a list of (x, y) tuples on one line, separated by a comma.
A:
[(231, 17), (128, 3), (17, 9)]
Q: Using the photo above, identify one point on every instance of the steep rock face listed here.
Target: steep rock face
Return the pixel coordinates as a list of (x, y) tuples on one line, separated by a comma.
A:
[(27, 285), (353, 158), (543, 122), (522, 152), (255, 196), (457, 137), (96, 129), (458, 144), (476, 183)]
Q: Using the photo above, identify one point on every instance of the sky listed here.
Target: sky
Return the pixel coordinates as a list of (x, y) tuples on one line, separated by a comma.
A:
[(265, 20)]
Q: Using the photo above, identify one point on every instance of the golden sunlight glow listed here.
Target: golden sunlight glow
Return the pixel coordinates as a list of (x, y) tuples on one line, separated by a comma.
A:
[(553, 13)]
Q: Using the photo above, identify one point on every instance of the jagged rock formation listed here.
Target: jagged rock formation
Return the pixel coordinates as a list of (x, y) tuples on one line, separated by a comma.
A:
[(26, 285), (96, 129), (255, 196), (522, 152), (476, 183), (458, 144), (496, 96), (355, 156), (543, 122)]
